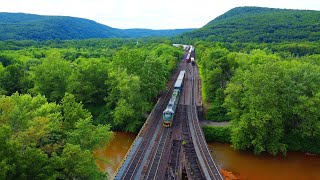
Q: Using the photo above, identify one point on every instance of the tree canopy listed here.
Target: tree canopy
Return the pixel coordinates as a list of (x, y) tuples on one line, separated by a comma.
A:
[(36, 141), (271, 95)]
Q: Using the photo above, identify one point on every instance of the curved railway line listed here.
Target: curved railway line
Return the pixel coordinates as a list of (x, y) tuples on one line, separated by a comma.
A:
[(155, 154), (209, 168)]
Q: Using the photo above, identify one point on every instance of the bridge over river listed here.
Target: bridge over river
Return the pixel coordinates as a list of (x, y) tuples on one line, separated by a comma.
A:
[(176, 152)]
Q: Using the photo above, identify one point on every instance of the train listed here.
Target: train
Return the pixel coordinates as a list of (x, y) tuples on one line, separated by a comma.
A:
[(191, 55), (169, 112)]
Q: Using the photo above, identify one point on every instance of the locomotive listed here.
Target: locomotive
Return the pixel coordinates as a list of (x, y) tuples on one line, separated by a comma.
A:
[(169, 112)]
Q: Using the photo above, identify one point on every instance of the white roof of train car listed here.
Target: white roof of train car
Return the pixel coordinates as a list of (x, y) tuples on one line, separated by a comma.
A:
[(178, 83), (181, 75)]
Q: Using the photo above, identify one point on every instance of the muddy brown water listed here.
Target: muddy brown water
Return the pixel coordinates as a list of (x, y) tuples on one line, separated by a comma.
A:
[(112, 155), (244, 165)]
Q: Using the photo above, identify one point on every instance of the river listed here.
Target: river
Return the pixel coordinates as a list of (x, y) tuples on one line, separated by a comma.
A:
[(114, 152), (244, 165)]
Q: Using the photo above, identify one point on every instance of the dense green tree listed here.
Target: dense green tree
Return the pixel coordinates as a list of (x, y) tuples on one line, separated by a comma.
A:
[(88, 80), (76, 163), (128, 101), (11, 79), (216, 68), (33, 139), (6, 60), (85, 130), (51, 77), (154, 76), (270, 100), (72, 111)]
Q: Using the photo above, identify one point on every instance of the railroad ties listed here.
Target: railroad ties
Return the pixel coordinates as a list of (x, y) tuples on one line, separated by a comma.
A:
[(177, 152)]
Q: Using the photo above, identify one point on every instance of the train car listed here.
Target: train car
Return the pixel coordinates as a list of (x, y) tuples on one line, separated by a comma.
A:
[(192, 61), (188, 58), (169, 112), (189, 55), (179, 82), (186, 48)]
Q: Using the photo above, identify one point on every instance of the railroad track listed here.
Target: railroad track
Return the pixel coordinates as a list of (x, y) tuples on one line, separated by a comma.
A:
[(157, 155), (190, 152), (145, 161), (134, 167), (174, 169), (210, 170)]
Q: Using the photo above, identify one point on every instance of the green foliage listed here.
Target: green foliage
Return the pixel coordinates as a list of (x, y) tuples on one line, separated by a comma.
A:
[(33, 139), (85, 130), (77, 163), (217, 133), (255, 24), (270, 99), (271, 95), (88, 80), (136, 77), (72, 111), (89, 70), (51, 77), (216, 68), (11, 79), (129, 103), (49, 135), (296, 142)]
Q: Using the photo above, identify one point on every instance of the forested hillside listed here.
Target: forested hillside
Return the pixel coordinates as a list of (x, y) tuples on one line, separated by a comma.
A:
[(19, 26), (256, 24)]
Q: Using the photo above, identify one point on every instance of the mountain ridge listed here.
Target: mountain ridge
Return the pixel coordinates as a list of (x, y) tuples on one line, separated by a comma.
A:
[(259, 24), (23, 26)]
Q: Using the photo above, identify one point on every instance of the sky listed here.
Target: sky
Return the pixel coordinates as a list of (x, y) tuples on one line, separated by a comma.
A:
[(151, 14)]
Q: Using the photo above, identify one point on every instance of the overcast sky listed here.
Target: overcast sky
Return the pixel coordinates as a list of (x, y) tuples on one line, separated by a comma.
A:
[(152, 14)]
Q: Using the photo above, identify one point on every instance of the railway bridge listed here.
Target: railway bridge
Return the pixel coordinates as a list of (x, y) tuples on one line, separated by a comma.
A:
[(178, 152)]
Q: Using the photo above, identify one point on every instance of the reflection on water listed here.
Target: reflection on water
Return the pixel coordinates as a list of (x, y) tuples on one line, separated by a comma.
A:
[(248, 166), (112, 155)]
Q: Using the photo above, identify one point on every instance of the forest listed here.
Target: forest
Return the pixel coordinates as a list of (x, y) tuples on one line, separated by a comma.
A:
[(270, 95), (259, 25), (59, 103)]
